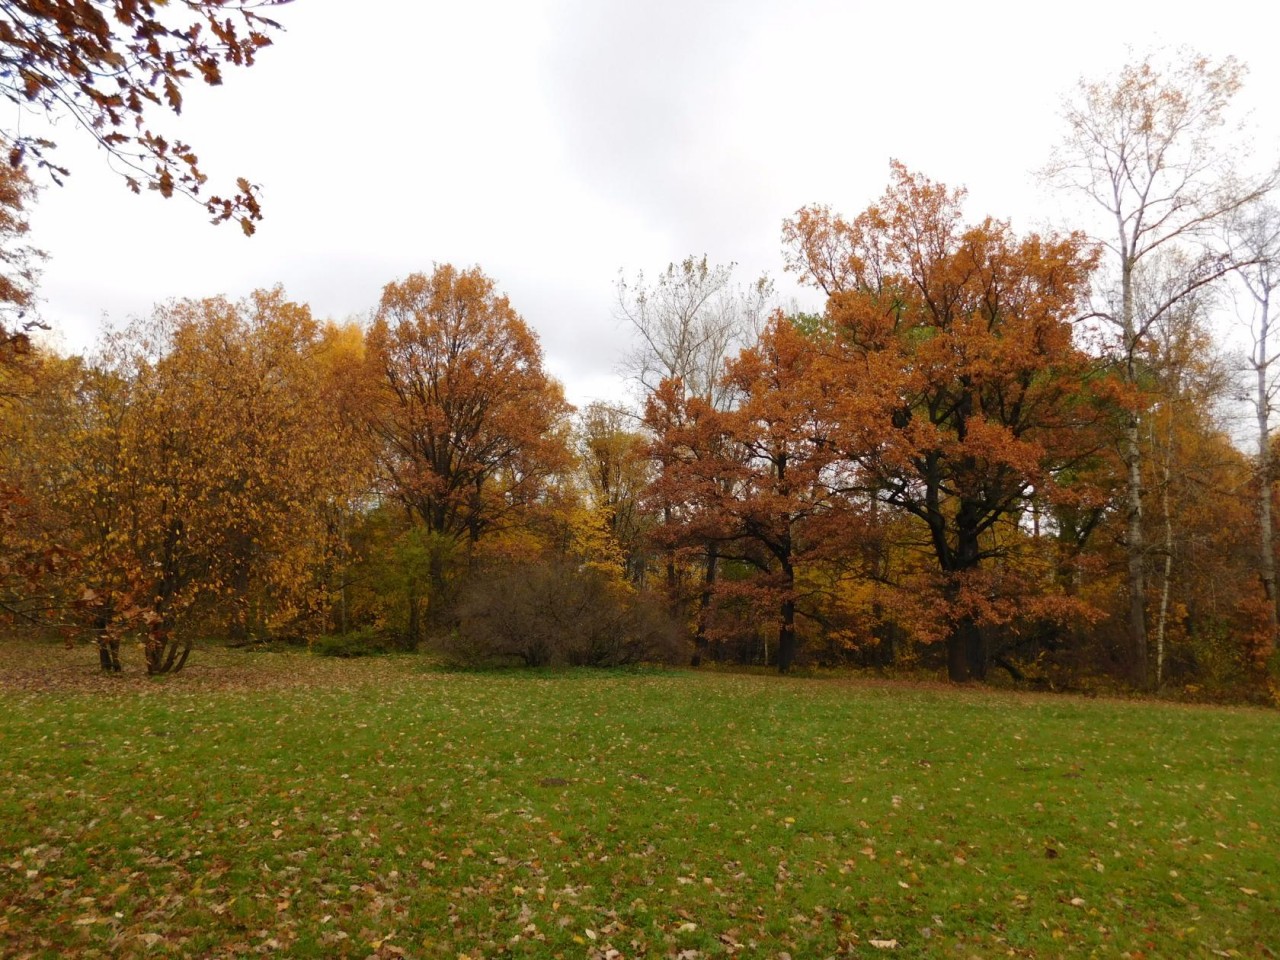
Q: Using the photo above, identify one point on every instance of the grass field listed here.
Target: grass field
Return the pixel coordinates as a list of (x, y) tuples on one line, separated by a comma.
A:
[(279, 803)]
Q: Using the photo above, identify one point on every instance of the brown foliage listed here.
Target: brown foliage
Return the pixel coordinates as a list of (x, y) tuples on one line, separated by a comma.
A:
[(554, 613), (24, 558), (473, 430), (18, 266), (106, 63), (763, 481), (969, 398), (195, 471)]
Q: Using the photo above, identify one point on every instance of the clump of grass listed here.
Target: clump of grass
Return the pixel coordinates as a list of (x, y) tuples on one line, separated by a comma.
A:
[(377, 808), (364, 642)]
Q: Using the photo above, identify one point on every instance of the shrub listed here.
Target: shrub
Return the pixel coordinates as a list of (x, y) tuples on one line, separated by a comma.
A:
[(365, 642), (554, 613)]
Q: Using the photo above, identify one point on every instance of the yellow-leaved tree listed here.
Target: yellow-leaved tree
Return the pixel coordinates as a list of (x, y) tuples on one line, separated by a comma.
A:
[(199, 465)]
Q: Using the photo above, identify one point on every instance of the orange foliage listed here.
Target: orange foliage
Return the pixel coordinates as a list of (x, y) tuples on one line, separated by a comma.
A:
[(105, 63), (971, 399), (472, 429)]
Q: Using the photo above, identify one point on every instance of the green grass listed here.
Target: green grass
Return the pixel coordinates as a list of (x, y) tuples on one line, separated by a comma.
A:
[(280, 803)]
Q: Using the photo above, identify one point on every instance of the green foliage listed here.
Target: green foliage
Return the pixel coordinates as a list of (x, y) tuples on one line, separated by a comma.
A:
[(816, 326), (363, 642), (390, 582)]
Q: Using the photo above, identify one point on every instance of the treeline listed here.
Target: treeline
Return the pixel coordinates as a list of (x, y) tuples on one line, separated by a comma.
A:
[(989, 451)]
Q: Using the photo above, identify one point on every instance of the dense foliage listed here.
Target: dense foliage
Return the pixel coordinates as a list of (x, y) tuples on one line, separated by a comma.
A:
[(987, 450)]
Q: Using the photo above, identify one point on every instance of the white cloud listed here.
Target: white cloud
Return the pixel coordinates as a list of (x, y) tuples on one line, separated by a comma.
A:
[(554, 143)]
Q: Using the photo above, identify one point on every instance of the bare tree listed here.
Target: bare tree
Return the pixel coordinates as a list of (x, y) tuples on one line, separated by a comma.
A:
[(687, 322), (1254, 238), (1148, 147)]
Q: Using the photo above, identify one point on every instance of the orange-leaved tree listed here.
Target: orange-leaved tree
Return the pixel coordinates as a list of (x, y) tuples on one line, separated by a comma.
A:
[(968, 396), (19, 557), (765, 480), (472, 428)]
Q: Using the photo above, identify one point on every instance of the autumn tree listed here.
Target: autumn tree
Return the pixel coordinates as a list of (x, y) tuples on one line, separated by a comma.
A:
[(20, 556), (31, 548), (763, 479), (1185, 381), (471, 426), (1145, 147), (108, 65), (687, 322), (968, 397), (613, 460), (193, 465), (349, 387)]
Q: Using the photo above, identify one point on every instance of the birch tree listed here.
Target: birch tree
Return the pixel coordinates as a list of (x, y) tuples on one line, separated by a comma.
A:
[(687, 322), (1147, 148), (1254, 236), (1185, 380)]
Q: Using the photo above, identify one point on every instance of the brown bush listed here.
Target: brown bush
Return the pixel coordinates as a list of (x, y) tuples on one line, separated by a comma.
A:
[(549, 614)]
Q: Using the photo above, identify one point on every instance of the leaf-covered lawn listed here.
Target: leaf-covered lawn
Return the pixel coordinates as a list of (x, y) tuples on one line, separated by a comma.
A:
[(277, 803)]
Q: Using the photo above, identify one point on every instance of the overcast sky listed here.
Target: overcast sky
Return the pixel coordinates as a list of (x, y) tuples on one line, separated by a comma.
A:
[(556, 143)]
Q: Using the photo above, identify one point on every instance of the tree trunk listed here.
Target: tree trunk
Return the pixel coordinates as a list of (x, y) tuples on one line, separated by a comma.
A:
[(1266, 540), (241, 619), (704, 605), (787, 635), (1136, 550), (108, 644), (966, 646), (413, 628), (162, 652), (108, 653), (1134, 546), (673, 579), (966, 652), (1163, 615)]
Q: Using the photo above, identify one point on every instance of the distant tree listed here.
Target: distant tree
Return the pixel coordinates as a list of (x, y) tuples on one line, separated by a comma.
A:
[(106, 63), (1253, 236), (762, 480), (1185, 380), (1146, 148), (472, 428), (613, 459), (688, 322)]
